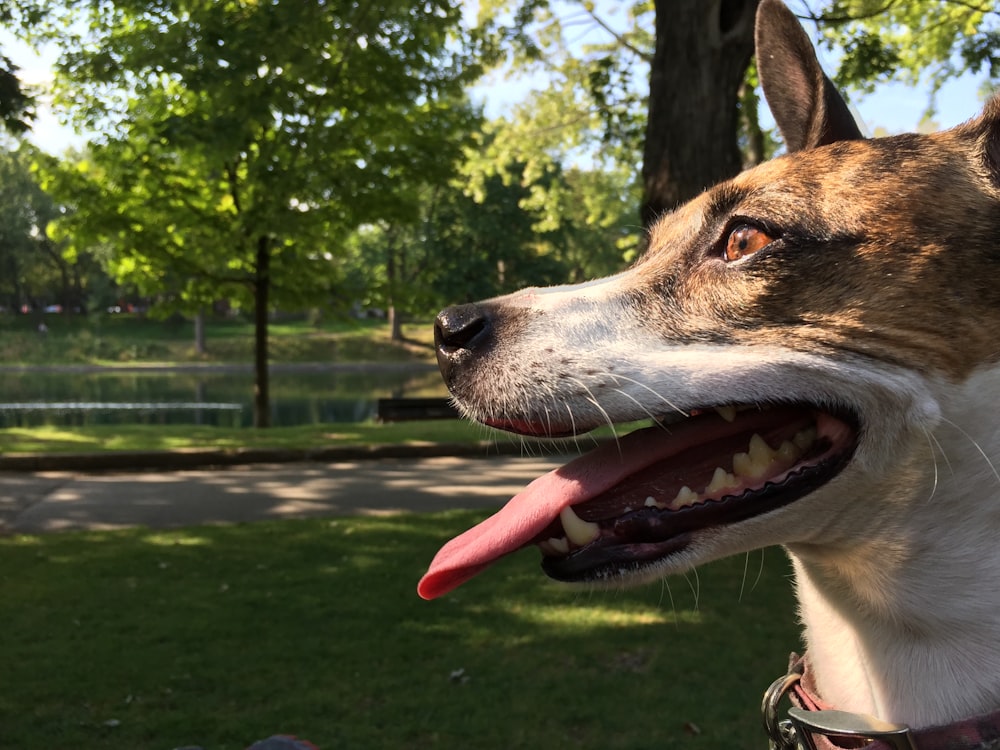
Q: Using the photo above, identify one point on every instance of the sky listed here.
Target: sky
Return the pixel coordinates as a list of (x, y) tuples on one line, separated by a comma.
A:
[(894, 107)]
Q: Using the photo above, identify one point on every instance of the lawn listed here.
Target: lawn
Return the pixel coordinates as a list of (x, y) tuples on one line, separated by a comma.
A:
[(100, 438), (218, 636), (101, 339)]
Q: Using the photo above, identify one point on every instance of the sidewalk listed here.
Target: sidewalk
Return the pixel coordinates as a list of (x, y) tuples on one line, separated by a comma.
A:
[(57, 500)]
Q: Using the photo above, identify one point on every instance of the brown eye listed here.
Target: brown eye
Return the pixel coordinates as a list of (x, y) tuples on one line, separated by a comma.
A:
[(745, 240)]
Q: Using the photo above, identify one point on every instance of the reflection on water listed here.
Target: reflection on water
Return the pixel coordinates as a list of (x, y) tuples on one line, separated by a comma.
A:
[(212, 396)]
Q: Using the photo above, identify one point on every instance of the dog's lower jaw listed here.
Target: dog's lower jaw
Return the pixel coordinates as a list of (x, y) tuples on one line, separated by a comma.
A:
[(904, 623)]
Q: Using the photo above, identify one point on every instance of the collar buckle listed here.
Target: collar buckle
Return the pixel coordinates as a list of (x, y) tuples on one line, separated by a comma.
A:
[(848, 725), (800, 729)]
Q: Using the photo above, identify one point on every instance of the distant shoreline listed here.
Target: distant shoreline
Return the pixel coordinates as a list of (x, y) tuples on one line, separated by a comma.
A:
[(235, 367)]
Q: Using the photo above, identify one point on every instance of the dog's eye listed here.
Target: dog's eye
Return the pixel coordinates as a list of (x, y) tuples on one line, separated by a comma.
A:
[(745, 240)]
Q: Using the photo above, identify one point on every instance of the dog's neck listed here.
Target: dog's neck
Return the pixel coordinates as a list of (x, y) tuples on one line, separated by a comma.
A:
[(907, 627)]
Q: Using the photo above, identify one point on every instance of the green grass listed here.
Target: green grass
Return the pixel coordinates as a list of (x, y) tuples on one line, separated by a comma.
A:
[(123, 339), (218, 636), (100, 438)]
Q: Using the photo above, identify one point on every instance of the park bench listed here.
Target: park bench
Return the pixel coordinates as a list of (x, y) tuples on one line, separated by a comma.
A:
[(410, 409)]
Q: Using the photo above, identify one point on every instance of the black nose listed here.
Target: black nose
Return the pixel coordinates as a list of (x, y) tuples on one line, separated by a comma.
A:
[(459, 332)]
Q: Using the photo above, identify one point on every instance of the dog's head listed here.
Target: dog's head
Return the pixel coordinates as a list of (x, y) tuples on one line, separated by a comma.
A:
[(792, 333)]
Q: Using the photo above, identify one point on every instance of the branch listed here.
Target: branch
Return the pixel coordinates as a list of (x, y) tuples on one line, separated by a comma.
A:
[(618, 37), (836, 20)]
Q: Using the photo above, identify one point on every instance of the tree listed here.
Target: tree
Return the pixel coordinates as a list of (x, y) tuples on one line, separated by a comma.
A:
[(695, 123), (461, 249), (17, 105), (931, 40), (504, 223), (238, 141), (684, 125), (34, 271), (693, 112), (17, 101)]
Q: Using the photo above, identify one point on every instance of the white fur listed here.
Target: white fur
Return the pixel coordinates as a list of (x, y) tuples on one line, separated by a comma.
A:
[(904, 623), (897, 559)]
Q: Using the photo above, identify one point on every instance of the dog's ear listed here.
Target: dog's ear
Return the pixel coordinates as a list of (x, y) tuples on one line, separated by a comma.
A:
[(806, 106), (986, 129)]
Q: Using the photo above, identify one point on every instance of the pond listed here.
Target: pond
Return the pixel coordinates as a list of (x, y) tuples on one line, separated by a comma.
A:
[(69, 396)]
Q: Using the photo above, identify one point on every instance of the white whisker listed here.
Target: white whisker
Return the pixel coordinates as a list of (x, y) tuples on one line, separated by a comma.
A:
[(660, 396), (743, 582), (636, 401), (978, 448), (591, 398), (695, 587), (931, 443)]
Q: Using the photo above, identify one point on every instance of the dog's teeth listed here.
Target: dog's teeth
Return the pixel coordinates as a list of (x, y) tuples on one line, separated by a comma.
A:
[(558, 545), (652, 502), (805, 438), (760, 452), (721, 480), (685, 497), (728, 413), (554, 547), (788, 452), (756, 463), (743, 466), (578, 531)]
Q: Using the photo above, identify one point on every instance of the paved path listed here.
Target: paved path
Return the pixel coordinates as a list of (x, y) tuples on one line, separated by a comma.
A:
[(56, 501)]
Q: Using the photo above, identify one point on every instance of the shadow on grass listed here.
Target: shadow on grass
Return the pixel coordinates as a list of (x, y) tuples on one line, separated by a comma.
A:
[(219, 636)]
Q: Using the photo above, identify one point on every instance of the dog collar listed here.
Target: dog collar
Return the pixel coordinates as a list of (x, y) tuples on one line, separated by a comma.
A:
[(814, 725)]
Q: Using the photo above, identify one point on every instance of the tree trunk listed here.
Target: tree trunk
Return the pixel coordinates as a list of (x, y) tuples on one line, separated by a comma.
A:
[(199, 332), (262, 287), (395, 323), (702, 51), (392, 284)]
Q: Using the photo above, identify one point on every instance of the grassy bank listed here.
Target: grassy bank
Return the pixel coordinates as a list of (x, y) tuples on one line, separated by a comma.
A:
[(116, 340), (127, 339), (100, 438), (219, 636)]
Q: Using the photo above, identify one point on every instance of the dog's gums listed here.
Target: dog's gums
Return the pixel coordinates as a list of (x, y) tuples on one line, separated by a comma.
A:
[(638, 500)]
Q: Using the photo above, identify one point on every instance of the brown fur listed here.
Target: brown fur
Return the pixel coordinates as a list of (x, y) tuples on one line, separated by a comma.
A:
[(905, 208)]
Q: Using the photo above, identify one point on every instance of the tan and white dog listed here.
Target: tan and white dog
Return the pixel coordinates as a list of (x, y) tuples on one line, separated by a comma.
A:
[(817, 343)]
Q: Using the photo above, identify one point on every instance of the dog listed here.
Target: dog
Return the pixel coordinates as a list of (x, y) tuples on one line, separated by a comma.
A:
[(817, 345)]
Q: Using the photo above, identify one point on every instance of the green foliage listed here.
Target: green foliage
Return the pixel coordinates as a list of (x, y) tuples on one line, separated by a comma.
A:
[(232, 127), (931, 40), (592, 97), (514, 218), (17, 100), (594, 57), (17, 103), (34, 270)]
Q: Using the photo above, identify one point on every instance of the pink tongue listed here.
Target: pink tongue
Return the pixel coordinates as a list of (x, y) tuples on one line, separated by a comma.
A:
[(535, 507)]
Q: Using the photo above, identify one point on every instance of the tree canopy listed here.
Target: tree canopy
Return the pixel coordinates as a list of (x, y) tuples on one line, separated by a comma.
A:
[(237, 141), (674, 81), (930, 41)]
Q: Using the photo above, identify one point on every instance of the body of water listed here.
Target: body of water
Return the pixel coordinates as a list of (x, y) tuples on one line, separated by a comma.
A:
[(205, 395)]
